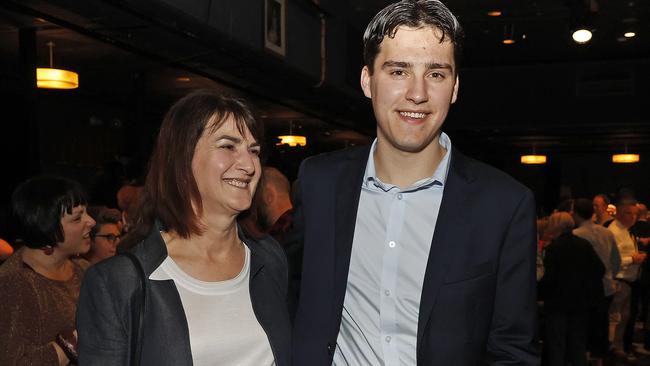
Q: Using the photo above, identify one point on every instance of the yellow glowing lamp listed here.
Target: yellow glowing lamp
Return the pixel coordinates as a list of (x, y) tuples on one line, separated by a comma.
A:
[(47, 78), (292, 140), (625, 158), (51, 78), (533, 159)]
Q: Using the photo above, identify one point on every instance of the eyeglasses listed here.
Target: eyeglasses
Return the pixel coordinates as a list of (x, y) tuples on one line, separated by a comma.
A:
[(110, 237)]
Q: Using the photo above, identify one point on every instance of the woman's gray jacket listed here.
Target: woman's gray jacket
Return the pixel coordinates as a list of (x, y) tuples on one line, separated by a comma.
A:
[(110, 291)]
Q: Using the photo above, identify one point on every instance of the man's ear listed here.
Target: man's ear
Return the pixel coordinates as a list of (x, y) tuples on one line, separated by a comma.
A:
[(455, 92), (365, 82)]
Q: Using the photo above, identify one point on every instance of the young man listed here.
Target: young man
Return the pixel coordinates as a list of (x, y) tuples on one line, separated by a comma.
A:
[(402, 266)]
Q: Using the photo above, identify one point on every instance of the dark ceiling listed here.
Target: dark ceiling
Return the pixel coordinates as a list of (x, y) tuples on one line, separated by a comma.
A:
[(543, 90)]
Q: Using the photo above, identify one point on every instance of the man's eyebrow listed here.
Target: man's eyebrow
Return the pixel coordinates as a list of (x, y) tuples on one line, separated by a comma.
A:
[(438, 65), (402, 64), (406, 65)]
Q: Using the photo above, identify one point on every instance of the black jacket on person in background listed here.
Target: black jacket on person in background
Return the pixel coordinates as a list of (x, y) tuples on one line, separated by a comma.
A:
[(109, 289), (573, 274)]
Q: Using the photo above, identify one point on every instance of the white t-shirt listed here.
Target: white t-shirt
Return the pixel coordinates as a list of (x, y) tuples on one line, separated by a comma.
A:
[(222, 325)]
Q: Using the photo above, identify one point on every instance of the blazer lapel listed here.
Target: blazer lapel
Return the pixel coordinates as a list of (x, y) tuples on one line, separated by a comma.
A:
[(167, 322), (171, 322), (348, 191), (450, 220)]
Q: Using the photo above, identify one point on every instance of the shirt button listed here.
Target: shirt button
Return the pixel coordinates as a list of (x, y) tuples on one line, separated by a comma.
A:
[(388, 338), (387, 292), (399, 196), (391, 244)]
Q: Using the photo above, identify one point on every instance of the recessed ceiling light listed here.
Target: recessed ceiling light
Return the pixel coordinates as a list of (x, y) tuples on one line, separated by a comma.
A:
[(183, 79), (582, 36), (494, 13), (508, 41), (629, 34)]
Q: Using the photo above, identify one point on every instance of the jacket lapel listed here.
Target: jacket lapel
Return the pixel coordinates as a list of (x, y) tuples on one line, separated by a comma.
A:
[(450, 220), (348, 191), (168, 321)]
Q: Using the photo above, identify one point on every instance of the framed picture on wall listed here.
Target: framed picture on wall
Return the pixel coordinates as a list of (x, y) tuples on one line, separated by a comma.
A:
[(274, 26)]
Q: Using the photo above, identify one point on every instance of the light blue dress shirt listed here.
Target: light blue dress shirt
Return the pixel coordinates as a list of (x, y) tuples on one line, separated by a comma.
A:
[(390, 249)]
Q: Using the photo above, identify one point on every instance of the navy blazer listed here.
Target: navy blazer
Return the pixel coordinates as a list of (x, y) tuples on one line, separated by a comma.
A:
[(478, 298), (104, 314)]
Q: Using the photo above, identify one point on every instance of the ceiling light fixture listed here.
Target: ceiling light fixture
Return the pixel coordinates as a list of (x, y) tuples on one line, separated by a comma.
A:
[(494, 13), (629, 34), (291, 139), (533, 158), (51, 78), (582, 36), (508, 34), (625, 157)]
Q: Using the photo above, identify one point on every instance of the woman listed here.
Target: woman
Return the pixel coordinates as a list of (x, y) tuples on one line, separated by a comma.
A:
[(572, 283), (106, 235), (213, 295), (40, 283)]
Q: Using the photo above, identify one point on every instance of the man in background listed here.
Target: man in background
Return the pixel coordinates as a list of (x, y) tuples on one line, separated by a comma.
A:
[(601, 216)]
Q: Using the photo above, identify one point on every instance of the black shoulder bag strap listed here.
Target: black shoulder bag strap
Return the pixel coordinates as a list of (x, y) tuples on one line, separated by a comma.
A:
[(138, 313)]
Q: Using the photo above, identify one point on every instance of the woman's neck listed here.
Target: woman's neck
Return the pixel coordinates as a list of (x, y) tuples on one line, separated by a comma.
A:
[(215, 255)]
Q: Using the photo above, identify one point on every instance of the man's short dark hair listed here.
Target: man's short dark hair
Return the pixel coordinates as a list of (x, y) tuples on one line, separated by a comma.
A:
[(604, 197), (103, 215), (583, 208), (39, 203), (414, 14), (625, 202), (566, 205)]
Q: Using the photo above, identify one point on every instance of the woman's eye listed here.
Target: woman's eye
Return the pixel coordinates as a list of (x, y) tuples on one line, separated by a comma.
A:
[(255, 151), (228, 147)]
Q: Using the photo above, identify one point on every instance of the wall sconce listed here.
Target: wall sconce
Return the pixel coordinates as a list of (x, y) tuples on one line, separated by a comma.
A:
[(291, 139), (51, 78)]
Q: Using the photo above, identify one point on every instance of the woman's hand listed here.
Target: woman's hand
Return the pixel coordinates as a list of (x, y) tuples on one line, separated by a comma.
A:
[(67, 342)]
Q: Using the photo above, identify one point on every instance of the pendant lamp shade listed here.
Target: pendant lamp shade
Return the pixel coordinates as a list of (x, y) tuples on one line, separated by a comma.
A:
[(51, 78)]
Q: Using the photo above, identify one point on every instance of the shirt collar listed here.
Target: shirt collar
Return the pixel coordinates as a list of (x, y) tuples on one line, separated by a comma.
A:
[(439, 176)]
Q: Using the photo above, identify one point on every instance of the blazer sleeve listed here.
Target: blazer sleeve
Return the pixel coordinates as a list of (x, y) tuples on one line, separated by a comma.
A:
[(511, 340), (103, 337)]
